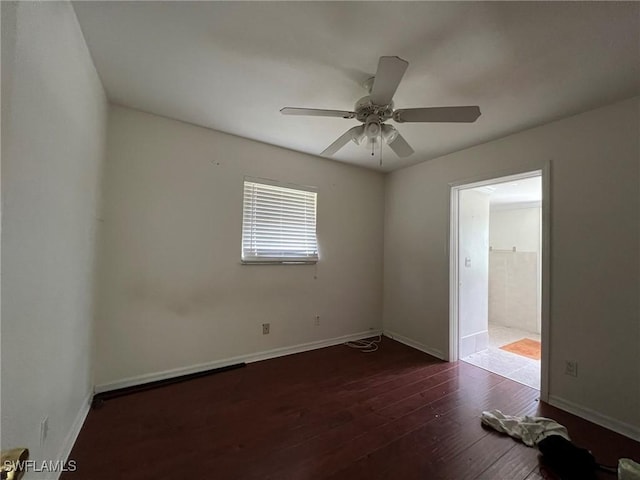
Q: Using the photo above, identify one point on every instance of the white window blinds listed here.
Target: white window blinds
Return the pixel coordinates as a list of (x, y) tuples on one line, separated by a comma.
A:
[(279, 223)]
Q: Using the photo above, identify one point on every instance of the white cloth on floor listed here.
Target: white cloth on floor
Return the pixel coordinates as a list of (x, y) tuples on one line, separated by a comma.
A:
[(530, 430), (628, 469)]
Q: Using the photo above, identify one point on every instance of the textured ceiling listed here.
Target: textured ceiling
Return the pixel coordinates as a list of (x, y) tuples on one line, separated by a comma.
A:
[(231, 66)]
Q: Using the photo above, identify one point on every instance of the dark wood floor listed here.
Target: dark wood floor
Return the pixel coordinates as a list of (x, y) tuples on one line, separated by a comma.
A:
[(333, 413)]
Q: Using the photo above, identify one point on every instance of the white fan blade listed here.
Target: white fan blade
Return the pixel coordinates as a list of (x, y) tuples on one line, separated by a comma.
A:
[(400, 146), (343, 140), (387, 79), (437, 114), (316, 112)]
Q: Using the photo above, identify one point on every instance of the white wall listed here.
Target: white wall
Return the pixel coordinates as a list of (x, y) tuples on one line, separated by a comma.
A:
[(594, 251), (473, 271), (53, 133), (515, 227), (173, 291), (515, 298), (513, 290)]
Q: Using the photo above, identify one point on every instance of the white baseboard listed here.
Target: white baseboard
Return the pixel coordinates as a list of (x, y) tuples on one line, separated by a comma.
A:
[(72, 436), (412, 343), (599, 419), (249, 358)]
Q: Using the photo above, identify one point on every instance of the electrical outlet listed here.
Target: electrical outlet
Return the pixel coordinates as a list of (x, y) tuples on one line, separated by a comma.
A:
[(265, 328), (44, 430), (571, 368), (317, 320)]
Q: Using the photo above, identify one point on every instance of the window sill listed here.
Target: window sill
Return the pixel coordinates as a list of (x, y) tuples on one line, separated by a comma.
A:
[(279, 262)]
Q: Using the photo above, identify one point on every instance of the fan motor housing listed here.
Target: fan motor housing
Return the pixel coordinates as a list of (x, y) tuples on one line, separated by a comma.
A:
[(365, 108)]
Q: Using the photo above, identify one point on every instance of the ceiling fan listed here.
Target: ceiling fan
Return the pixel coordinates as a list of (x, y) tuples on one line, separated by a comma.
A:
[(377, 107)]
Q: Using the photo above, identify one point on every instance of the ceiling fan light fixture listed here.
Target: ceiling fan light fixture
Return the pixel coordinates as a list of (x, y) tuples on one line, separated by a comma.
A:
[(372, 129), (389, 133), (359, 137)]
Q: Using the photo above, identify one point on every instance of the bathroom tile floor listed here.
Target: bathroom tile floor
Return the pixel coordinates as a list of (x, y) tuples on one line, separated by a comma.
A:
[(515, 367)]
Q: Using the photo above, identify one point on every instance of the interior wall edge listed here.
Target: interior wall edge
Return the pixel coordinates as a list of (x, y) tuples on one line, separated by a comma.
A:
[(248, 358), (605, 421), (73, 433), (434, 352)]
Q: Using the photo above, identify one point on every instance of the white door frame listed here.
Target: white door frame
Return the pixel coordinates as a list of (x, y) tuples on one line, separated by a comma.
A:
[(455, 188)]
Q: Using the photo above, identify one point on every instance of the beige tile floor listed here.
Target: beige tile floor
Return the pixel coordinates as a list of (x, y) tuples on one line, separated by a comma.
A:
[(515, 367)]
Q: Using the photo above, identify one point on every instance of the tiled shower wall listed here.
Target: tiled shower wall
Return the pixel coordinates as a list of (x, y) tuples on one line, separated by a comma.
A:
[(513, 289)]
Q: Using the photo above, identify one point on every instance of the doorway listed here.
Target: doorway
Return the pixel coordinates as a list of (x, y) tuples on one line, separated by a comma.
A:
[(498, 253)]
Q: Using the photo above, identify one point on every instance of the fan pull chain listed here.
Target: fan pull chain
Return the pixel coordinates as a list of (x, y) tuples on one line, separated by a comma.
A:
[(380, 151)]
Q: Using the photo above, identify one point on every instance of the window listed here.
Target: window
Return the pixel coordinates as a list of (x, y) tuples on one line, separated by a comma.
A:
[(278, 223)]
